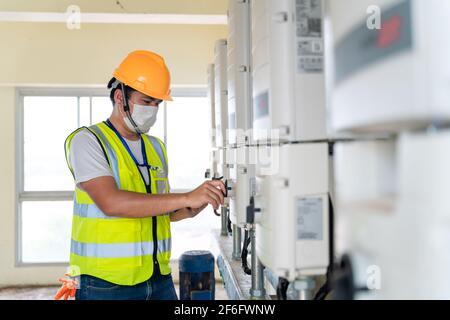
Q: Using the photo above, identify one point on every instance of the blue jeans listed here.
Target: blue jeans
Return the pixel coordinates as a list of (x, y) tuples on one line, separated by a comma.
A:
[(158, 287)]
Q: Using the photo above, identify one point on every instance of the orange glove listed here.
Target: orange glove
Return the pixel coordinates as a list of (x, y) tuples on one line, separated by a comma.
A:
[(68, 288)]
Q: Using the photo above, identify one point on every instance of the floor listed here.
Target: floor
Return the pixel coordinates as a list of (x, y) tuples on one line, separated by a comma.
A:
[(47, 293)]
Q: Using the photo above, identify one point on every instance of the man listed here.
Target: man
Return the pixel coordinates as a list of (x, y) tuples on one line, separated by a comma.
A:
[(122, 207)]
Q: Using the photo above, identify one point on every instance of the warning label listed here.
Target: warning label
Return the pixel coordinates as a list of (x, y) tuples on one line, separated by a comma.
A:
[(309, 218), (309, 36)]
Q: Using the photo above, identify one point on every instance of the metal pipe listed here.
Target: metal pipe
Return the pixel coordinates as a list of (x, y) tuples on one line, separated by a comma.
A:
[(224, 220), (257, 290), (305, 287), (237, 242)]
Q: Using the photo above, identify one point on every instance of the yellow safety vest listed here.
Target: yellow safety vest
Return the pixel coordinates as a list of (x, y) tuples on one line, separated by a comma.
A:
[(121, 250)]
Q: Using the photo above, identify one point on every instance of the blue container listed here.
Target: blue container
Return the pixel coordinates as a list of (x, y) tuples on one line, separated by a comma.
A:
[(197, 280)]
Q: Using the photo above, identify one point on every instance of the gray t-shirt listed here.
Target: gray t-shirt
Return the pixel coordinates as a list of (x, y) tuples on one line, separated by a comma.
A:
[(88, 160)]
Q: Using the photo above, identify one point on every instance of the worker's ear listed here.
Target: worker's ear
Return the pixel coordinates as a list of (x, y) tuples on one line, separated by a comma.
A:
[(118, 98)]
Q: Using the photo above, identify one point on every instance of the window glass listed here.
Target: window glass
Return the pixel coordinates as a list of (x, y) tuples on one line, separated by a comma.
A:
[(195, 233), (46, 228), (187, 141), (85, 112), (47, 123), (101, 109)]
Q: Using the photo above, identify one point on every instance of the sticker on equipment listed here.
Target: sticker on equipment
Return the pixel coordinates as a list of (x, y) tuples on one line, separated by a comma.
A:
[(309, 218), (309, 36)]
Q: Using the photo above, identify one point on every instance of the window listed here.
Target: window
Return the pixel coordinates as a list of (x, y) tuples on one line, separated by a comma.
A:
[(45, 185), (188, 141)]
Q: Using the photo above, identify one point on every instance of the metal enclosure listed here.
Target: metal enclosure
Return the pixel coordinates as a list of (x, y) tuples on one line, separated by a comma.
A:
[(212, 172), (221, 92), (292, 172), (239, 108), (392, 214), (210, 77), (239, 75), (292, 231), (288, 79), (393, 78)]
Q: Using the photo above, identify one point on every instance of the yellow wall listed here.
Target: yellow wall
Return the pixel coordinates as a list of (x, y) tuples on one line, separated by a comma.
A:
[(129, 6), (46, 54), (49, 53)]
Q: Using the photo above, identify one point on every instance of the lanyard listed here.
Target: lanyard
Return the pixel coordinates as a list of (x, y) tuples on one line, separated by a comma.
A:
[(144, 155)]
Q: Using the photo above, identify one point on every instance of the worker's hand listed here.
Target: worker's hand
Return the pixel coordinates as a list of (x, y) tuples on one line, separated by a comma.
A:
[(195, 211), (68, 288), (210, 192)]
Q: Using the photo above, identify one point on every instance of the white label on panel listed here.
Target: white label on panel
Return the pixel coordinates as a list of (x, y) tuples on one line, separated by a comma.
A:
[(309, 36), (309, 218)]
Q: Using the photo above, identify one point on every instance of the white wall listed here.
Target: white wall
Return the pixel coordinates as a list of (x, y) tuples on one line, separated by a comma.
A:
[(48, 54)]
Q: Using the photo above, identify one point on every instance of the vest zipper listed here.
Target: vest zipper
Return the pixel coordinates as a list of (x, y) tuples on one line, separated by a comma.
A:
[(155, 237)]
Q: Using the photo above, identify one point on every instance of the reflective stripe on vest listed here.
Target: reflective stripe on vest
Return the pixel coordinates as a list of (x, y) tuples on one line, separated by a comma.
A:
[(118, 250), (89, 211)]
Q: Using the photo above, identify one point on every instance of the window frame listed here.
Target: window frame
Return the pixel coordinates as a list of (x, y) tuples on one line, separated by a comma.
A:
[(20, 194)]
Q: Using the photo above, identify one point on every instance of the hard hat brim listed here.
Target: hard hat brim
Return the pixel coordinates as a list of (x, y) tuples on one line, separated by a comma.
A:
[(137, 87)]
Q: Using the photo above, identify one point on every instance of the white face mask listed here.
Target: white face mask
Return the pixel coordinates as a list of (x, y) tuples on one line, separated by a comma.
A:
[(143, 116)]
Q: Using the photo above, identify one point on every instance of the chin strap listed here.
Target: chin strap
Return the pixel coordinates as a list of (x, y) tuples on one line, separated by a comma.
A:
[(126, 108)]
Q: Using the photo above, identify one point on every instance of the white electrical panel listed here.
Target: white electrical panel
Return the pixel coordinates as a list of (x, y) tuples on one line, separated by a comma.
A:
[(288, 70), (221, 92), (239, 77), (211, 102), (393, 75), (366, 175), (292, 194), (225, 157), (393, 215), (239, 109), (212, 171), (243, 185)]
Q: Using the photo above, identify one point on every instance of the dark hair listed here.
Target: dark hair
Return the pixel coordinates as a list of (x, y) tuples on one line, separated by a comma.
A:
[(128, 90)]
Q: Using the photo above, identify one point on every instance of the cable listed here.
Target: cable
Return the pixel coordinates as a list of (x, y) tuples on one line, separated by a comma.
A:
[(215, 211), (230, 229), (244, 253), (326, 288), (282, 287), (126, 108)]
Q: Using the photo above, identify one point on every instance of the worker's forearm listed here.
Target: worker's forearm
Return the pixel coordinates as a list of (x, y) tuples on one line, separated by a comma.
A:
[(180, 215), (127, 204)]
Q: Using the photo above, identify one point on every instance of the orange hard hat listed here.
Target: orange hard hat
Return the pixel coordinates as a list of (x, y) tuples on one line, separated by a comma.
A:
[(146, 72)]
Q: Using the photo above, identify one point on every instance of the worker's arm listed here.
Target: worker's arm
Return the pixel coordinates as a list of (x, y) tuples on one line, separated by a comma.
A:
[(185, 213), (118, 203)]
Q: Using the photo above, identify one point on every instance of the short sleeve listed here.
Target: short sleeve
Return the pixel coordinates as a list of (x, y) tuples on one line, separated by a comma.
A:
[(87, 158)]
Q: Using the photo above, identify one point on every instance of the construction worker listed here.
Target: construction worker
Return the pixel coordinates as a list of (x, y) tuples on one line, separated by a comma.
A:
[(121, 240)]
